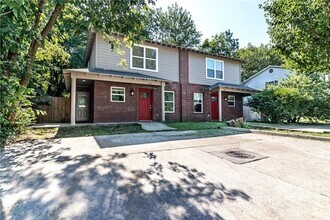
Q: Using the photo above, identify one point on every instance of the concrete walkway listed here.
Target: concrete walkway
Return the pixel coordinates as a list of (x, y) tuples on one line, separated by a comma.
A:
[(295, 127), (155, 126), (148, 126)]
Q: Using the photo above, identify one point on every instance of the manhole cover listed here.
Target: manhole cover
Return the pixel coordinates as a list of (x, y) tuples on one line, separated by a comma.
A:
[(238, 156)]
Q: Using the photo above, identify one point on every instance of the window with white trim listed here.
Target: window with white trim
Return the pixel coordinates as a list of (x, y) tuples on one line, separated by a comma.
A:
[(198, 102), (214, 69), (274, 83), (144, 58), (169, 102), (231, 101), (117, 94)]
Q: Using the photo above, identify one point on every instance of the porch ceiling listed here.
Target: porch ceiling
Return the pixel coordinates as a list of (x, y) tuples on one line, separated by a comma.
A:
[(109, 75)]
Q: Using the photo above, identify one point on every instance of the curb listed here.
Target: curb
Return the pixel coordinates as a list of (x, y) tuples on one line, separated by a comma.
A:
[(302, 136)]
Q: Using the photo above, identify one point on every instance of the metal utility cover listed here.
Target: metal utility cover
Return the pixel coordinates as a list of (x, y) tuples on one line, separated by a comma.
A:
[(238, 156)]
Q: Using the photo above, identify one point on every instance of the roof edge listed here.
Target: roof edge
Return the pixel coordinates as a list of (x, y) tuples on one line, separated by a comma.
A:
[(90, 43), (94, 32), (256, 74)]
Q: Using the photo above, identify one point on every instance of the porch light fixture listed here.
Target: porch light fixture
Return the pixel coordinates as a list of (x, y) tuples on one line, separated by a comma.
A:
[(226, 98), (132, 92)]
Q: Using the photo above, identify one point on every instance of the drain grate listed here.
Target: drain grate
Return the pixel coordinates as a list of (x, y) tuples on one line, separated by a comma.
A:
[(238, 156)]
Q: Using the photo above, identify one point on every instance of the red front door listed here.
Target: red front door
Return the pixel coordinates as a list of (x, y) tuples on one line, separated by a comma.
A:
[(145, 104), (215, 106)]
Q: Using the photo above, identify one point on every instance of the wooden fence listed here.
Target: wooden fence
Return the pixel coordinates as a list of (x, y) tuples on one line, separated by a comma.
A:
[(58, 111)]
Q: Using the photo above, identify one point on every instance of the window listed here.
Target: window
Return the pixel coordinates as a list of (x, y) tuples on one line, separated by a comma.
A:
[(145, 58), (117, 94), (231, 101), (198, 103), (169, 102), (214, 69), (274, 83)]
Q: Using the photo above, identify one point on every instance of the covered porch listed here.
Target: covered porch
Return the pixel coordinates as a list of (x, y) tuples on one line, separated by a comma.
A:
[(227, 100), (99, 95)]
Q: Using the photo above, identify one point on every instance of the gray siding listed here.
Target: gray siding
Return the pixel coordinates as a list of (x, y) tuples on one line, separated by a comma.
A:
[(259, 81), (168, 60), (92, 57), (197, 70)]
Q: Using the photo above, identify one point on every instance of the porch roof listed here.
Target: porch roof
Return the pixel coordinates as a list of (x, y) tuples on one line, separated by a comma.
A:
[(110, 75), (239, 88)]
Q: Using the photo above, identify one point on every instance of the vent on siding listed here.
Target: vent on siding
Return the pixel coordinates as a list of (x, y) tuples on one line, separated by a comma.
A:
[(271, 70)]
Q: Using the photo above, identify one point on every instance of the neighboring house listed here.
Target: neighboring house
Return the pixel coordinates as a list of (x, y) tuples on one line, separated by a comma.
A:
[(271, 75), (161, 83)]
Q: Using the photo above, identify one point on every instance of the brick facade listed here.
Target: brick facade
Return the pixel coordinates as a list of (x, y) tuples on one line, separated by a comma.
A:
[(229, 113), (106, 111), (103, 110)]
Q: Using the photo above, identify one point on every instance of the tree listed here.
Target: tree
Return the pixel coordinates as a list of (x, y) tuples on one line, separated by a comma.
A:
[(174, 26), (221, 44), (25, 25), (36, 39), (298, 96), (257, 58), (300, 30)]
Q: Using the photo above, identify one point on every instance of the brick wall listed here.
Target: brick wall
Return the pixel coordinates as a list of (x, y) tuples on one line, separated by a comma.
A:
[(229, 113), (176, 87), (106, 111)]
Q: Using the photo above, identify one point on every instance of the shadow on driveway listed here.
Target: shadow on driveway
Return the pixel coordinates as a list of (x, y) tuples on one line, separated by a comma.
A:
[(42, 181)]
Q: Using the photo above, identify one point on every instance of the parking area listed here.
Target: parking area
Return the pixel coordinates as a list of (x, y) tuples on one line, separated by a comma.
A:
[(76, 178)]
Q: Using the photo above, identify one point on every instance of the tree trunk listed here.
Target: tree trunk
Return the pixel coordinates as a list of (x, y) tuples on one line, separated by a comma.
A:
[(35, 43)]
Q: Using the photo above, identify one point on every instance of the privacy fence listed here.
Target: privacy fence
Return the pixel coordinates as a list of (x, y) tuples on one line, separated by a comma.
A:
[(57, 110)]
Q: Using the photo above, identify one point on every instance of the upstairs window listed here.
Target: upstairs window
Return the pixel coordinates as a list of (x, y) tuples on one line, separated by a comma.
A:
[(274, 83), (144, 58), (214, 69), (169, 102)]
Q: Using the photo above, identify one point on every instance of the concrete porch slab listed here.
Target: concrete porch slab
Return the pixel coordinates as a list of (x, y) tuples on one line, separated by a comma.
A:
[(155, 126)]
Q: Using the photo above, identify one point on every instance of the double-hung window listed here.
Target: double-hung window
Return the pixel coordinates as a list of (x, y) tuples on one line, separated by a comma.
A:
[(231, 101), (274, 83), (214, 69), (169, 102), (198, 103), (144, 58), (117, 94)]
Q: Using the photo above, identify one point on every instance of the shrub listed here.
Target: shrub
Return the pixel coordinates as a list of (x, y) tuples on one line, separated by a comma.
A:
[(298, 96), (15, 108)]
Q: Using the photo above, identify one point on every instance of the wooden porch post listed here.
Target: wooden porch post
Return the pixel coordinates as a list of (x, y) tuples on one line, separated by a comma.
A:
[(73, 99), (163, 101), (220, 103)]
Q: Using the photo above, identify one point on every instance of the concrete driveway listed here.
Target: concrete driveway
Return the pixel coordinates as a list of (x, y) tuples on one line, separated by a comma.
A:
[(74, 178)]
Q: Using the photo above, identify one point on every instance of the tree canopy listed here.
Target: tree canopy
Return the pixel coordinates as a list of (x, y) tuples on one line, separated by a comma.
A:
[(300, 31), (257, 58), (38, 38), (221, 44), (26, 24), (173, 26)]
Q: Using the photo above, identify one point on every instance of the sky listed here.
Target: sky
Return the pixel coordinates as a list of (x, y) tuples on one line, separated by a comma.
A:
[(242, 17)]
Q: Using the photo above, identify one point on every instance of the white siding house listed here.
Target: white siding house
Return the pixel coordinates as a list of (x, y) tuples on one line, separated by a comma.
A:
[(269, 75)]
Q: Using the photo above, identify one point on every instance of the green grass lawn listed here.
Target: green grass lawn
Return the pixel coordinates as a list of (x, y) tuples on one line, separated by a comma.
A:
[(79, 131), (183, 126)]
